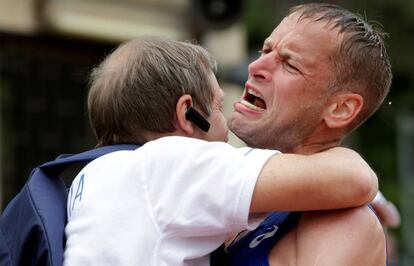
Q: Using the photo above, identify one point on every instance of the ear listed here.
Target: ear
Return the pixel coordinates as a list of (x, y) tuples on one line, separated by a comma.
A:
[(343, 109), (183, 124)]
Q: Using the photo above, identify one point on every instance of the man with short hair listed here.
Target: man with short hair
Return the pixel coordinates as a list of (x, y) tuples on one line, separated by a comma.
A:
[(176, 198), (323, 71)]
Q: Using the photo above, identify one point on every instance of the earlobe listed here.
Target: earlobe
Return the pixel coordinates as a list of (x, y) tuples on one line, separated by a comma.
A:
[(183, 124), (343, 110)]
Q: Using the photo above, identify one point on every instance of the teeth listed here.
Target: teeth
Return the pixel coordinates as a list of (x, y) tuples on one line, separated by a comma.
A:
[(251, 106), (252, 92)]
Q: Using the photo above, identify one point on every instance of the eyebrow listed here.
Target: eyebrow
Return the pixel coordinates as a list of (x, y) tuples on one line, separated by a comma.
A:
[(288, 54), (268, 42)]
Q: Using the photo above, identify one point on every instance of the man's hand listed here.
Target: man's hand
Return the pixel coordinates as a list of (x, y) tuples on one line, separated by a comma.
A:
[(386, 211)]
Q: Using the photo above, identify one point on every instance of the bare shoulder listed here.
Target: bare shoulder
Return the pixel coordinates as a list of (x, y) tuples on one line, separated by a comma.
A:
[(340, 237)]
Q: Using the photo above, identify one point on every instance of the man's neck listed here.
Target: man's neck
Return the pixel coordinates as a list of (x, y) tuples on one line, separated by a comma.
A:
[(314, 147), (318, 143)]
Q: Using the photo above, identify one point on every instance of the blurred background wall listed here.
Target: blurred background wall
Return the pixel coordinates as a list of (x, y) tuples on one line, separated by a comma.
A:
[(48, 48)]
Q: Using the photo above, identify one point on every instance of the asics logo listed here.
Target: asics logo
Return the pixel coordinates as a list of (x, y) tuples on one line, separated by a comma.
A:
[(258, 239)]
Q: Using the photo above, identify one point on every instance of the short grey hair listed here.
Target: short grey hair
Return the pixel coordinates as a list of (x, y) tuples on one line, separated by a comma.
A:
[(134, 91)]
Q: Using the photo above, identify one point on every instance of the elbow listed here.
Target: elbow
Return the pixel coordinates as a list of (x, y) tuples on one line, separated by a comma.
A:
[(367, 184)]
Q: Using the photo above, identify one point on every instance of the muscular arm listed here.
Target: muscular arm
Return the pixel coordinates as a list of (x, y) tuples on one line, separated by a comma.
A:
[(336, 178), (340, 237)]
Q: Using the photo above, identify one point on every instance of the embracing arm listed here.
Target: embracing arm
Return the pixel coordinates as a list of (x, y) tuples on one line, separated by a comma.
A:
[(333, 179)]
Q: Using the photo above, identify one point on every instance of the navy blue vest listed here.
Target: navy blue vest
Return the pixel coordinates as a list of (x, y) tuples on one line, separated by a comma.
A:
[(32, 225), (253, 248)]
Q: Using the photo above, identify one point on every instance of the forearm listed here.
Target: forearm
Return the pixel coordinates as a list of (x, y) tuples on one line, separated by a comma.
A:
[(337, 178)]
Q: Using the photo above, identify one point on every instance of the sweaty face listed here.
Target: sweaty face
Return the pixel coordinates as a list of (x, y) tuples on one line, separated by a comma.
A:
[(218, 127), (287, 88)]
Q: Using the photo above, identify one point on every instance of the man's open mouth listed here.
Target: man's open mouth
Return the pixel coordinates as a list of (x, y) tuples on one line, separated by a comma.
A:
[(253, 100)]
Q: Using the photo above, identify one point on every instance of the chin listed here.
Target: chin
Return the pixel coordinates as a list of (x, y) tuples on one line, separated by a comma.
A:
[(250, 138)]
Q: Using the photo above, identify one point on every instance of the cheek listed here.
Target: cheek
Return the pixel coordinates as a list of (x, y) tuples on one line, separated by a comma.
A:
[(283, 101), (220, 127), (223, 124), (284, 90), (290, 95), (285, 107)]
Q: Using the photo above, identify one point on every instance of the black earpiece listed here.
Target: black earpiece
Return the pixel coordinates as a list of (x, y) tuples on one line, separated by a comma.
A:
[(194, 116)]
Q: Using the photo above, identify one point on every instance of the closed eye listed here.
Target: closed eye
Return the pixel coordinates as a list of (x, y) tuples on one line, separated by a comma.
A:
[(265, 50), (291, 68)]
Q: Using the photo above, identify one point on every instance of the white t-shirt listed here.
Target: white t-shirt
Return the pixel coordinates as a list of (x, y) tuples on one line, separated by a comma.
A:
[(170, 202)]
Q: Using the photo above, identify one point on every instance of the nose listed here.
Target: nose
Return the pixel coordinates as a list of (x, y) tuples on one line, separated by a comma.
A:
[(260, 68)]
